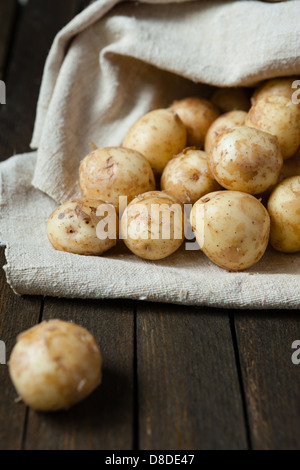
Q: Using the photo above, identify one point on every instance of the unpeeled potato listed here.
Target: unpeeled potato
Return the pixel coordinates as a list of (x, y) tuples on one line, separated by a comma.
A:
[(158, 135), (54, 365)]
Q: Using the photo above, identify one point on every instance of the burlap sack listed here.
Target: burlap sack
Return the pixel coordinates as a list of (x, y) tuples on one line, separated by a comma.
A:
[(106, 68)]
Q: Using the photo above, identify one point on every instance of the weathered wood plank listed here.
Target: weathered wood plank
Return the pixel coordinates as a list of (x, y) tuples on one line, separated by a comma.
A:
[(105, 419), (38, 24), (16, 315), (188, 388), (271, 380), (7, 17)]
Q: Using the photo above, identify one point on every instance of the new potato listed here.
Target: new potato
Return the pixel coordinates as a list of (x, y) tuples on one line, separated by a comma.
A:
[(158, 135), (230, 99), (284, 210), (54, 365), (111, 172), (281, 118), (221, 124), (245, 159), (232, 228), (152, 225), (73, 225), (277, 87), (197, 114), (187, 177)]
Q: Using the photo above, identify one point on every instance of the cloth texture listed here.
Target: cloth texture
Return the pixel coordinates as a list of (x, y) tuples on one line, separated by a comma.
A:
[(110, 65)]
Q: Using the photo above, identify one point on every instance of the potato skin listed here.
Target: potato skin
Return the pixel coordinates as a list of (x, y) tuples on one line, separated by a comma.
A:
[(221, 124), (54, 365), (158, 135), (284, 210), (276, 86), (187, 177), (197, 114), (144, 235), (280, 117), (245, 159), (111, 172), (230, 99), (72, 227), (232, 228)]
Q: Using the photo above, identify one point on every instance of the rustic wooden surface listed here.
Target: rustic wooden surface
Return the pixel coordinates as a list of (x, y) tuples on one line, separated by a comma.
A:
[(174, 377)]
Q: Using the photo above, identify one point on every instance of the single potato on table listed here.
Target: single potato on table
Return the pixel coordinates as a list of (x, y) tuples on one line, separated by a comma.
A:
[(73, 226), (230, 99), (187, 177), (197, 114), (277, 87), (281, 118), (284, 210), (111, 172), (152, 226), (245, 159), (232, 228), (221, 124), (158, 135), (54, 365)]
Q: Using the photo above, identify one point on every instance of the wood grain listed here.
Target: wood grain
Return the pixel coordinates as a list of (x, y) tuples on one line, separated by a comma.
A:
[(105, 419), (271, 380), (16, 314), (188, 388), (38, 23)]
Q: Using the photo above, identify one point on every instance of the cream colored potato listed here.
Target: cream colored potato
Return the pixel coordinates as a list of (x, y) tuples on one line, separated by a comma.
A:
[(230, 99), (232, 228), (54, 365), (73, 227), (152, 225), (280, 117), (284, 210), (197, 114), (159, 135), (245, 159), (111, 172), (221, 124), (187, 177), (276, 86)]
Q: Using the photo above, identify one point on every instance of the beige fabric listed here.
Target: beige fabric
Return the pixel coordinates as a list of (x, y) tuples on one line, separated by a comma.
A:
[(109, 66)]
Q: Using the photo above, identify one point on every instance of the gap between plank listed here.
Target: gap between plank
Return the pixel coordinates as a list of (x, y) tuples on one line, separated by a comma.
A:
[(240, 378)]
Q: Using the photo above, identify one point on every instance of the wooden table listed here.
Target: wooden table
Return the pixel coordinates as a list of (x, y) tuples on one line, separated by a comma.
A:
[(174, 377)]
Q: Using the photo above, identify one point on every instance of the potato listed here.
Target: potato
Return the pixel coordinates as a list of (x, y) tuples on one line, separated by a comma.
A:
[(245, 159), (284, 210), (280, 117), (111, 172), (152, 225), (197, 114), (159, 135), (221, 124), (276, 86), (54, 365), (186, 176), (73, 227), (230, 99), (232, 228)]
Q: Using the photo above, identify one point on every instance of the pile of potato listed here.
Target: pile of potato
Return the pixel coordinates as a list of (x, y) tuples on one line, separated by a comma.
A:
[(234, 161)]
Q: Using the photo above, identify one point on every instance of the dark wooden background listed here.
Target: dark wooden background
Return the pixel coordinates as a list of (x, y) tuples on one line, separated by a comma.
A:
[(174, 377)]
